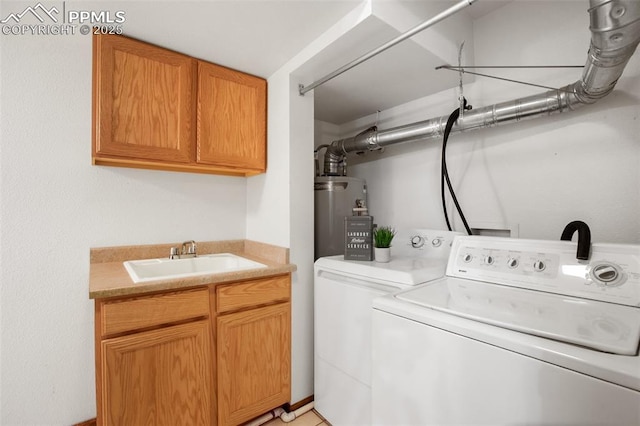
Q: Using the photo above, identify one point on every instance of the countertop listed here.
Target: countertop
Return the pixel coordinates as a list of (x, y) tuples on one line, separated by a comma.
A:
[(109, 278)]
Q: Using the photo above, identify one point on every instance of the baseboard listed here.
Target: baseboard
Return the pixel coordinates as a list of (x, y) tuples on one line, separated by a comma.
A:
[(302, 403), (288, 408)]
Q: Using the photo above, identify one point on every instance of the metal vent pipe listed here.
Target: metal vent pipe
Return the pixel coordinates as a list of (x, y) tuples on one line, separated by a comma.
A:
[(615, 34)]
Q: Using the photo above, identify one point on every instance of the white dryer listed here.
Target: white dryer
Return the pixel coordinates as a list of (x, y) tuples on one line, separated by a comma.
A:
[(518, 332), (344, 291)]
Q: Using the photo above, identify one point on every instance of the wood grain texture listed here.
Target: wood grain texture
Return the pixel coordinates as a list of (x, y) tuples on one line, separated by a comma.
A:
[(120, 316), (231, 118), (253, 293), (214, 355), (185, 370), (97, 344), (143, 101), (174, 167), (159, 377), (158, 109), (254, 362)]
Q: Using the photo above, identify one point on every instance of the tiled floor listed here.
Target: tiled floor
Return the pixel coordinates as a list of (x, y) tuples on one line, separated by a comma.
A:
[(310, 418)]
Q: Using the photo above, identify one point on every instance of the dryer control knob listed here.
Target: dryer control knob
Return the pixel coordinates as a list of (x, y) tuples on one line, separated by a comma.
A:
[(512, 263), (467, 258), (436, 242), (417, 241), (489, 260), (539, 266)]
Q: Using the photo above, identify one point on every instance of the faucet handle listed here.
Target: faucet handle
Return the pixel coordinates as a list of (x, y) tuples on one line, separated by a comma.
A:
[(173, 253)]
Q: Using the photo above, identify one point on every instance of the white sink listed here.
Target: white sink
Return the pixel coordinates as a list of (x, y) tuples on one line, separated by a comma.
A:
[(165, 268)]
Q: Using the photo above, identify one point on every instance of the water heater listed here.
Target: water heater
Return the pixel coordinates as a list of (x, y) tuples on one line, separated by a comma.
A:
[(335, 197)]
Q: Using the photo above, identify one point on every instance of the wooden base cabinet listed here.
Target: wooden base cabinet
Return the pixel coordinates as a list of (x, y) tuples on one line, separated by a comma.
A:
[(154, 359), (205, 356), (253, 348), (159, 377), (253, 364)]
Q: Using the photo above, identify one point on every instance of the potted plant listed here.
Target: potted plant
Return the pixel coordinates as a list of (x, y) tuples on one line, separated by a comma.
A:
[(382, 237)]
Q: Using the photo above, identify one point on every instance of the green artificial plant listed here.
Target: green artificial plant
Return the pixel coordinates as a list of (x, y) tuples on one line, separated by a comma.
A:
[(382, 236)]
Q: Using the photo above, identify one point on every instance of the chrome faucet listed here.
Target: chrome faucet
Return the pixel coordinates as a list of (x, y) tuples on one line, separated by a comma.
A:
[(188, 249)]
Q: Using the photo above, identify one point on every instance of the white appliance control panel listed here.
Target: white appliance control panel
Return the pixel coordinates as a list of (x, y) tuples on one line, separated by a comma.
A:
[(611, 274), (420, 242)]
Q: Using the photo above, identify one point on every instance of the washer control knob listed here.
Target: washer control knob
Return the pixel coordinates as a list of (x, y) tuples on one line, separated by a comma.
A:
[(488, 260), (605, 273), (512, 263), (436, 242), (417, 241), (539, 266), (467, 258)]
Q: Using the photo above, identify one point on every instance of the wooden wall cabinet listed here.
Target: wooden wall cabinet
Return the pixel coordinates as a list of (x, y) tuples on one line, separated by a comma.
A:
[(158, 109), (205, 356), (231, 118)]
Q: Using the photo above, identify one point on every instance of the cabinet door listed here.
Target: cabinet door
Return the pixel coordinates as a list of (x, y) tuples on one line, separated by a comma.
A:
[(253, 362), (143, 101), (159, 377), (231, 118)]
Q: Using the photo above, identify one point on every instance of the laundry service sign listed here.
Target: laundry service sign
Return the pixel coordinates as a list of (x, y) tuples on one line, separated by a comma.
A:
[(56, 18)]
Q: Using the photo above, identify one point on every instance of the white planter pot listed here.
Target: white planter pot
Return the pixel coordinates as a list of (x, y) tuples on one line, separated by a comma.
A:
[(382, 255)]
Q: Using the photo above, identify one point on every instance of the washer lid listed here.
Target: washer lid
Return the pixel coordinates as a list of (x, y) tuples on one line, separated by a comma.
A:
[(401, 270), (599, 325)]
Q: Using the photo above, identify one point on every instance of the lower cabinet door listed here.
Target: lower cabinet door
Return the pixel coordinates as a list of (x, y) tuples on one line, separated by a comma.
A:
[(158, 377), (254, 362)]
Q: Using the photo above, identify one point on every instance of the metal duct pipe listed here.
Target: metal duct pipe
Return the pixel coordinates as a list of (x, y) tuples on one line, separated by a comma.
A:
[(615, 34)]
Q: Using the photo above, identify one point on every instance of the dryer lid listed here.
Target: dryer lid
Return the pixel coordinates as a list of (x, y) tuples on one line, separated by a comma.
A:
[(418, 255), (408, 271)]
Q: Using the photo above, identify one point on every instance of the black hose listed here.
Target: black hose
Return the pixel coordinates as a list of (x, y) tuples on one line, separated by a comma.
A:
[(444, 173)]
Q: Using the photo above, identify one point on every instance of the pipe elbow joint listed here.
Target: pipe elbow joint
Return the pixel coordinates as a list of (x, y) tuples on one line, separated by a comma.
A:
[(333, 156)]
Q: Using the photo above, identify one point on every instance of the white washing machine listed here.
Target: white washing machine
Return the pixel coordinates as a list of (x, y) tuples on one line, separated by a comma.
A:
[(517, 332), (344, 291)]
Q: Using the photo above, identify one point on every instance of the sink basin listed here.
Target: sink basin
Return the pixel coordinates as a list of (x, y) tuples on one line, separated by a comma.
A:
[(165, 268)]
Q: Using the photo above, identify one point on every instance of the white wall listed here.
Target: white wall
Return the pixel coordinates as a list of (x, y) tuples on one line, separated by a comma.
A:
[(538, 174), (280, 202), (55, 206), (301, 220)]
